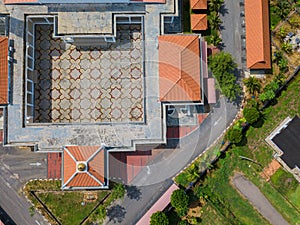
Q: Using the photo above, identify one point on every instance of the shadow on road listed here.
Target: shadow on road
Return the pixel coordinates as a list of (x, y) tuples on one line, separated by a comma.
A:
[(116, 213), (133, 192)]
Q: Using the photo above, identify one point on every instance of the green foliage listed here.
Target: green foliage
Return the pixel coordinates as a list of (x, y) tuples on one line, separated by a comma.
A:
[(253, 85), (283, 8), (251, 114), (222, 66), (234, 135), (282, 32), (269, 91), (118, 191), (159, 218), (214, 5), (183, 222), (192, 173), (278, 55), (287, 47), (31, 210), (214, 20), (284, 181), (180, 201), (283, 65), (267, 96)]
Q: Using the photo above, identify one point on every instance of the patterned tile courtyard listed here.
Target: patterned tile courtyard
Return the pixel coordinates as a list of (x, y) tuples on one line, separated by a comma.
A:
[(94, 82)]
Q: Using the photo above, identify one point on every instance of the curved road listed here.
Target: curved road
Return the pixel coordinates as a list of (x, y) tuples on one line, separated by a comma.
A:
[(154, 179)]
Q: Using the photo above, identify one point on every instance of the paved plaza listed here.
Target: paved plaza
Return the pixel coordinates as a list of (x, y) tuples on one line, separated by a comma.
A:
[(99, 82)]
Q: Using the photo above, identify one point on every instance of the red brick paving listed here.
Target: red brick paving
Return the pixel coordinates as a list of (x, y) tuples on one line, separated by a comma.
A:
[(54, 165)]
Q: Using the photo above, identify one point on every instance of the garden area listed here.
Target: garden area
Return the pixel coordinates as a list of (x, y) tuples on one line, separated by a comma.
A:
[(211, 194), (70, 207)]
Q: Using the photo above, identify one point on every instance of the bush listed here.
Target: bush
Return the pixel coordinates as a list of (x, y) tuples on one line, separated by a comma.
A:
[(234, 135), (159, 218), (180, 201), (183, 222), (118, 191), (251, 114)]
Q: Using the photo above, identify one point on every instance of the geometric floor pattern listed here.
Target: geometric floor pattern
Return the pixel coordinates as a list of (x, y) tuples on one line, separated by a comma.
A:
[(89, 82)]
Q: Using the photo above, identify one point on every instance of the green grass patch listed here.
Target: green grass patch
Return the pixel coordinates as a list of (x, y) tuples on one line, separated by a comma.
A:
[(284, 181), (274, 17), (67, 206), (211, 216)]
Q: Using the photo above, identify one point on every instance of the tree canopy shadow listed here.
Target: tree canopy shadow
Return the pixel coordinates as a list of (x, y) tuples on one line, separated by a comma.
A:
[(223, 10), (116, 213), (133, 192)]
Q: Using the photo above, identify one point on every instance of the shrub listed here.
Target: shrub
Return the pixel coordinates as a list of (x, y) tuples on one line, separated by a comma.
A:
[(159, 218), (234, 135), (180, 201), (251, 114), (118, 191)]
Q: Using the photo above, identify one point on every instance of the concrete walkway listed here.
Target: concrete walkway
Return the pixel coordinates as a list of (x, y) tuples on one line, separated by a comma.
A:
[(258, 200)]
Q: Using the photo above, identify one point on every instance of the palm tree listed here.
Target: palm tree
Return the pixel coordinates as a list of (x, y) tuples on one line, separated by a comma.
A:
[(214, 5), (253, 85), (214, 20), (214, 39), (192, 173)]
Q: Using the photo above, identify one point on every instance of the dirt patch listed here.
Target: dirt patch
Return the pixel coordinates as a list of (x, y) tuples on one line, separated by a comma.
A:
[(270, 169)]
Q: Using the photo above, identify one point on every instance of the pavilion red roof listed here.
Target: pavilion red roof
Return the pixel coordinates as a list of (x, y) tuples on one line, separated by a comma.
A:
[(93, 176)]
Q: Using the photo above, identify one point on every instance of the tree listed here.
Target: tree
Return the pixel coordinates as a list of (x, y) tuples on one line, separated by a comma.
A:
[(267, 96), (159, 218), (118, 191), (192, 173), (234, 135), (251, 114), (183, 222), (180, 201), (283, 8), (214, 39), (253, 85), (214, 5), (214, 20), (283, 65), (278, 55), (222, 66)]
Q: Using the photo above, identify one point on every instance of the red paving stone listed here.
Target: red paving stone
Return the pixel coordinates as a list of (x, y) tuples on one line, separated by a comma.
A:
[(126, 165), (54, 165)]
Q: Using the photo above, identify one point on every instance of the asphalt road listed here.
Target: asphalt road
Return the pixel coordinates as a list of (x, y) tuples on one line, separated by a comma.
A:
[(154, 179), (258, 200), (231, 29), (16, 167)]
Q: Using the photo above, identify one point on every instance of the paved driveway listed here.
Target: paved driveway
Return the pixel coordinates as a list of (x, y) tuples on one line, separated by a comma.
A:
[(16, 167), (258, 200), (232, 29)]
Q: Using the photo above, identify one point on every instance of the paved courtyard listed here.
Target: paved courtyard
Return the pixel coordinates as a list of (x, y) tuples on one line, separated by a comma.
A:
[(91, 83)]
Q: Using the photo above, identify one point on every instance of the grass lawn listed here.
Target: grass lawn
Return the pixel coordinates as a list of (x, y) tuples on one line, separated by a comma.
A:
[(66, 206), (283, 191), (211, 216), (274, 17)]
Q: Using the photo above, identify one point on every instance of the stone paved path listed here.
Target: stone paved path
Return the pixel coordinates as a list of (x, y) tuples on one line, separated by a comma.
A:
[(258, 200)]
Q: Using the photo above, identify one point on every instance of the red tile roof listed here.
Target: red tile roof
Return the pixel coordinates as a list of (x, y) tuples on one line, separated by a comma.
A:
[(198, 22), (3, 70), (93, 176), (179, 68), (258, 48), (19, 1), (198, 4)]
